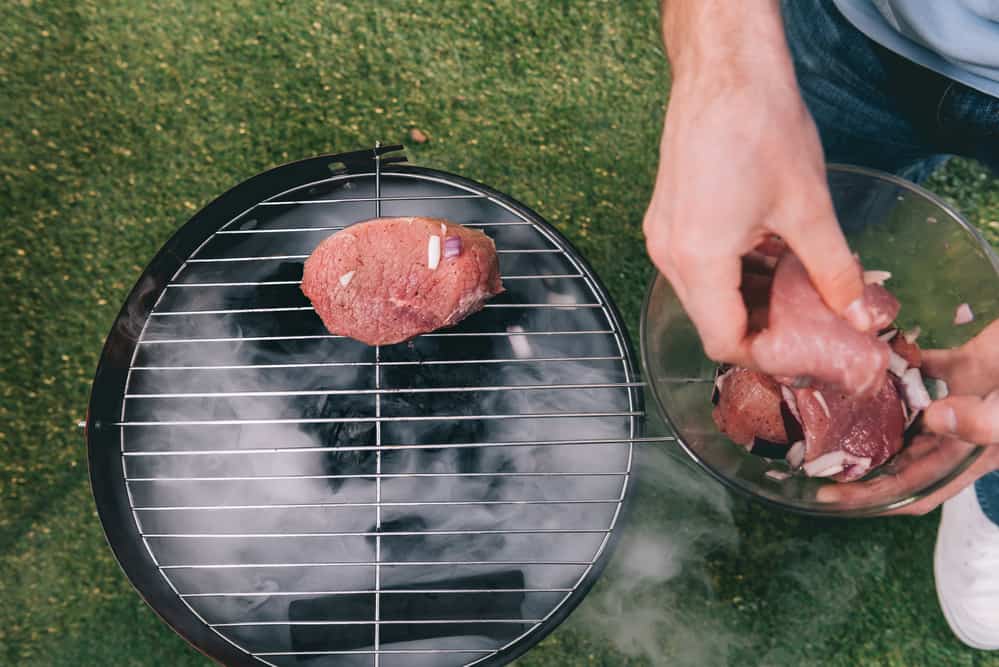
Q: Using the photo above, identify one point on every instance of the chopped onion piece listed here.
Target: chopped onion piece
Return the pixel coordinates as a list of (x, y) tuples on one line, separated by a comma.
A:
[(963, 315), (792, 403), (822, 401), (433, 252), (452, 246), (876, 277), (796, 454), (834, 463), (940, 389), (897, 363), (443, 229), (915, 392), (779, 475), (345, 278), (888, 335), (912, 334)]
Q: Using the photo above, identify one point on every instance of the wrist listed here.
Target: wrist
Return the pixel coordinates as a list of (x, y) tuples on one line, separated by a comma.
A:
[(712, 43)]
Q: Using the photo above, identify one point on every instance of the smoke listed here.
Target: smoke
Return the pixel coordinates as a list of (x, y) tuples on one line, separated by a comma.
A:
[(700, 578), (649, 603)]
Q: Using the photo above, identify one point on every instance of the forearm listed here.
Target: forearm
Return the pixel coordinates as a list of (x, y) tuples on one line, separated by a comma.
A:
[(726, 40)]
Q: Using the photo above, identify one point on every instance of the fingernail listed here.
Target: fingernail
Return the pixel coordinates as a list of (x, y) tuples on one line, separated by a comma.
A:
[(948, 418), (857, 315)]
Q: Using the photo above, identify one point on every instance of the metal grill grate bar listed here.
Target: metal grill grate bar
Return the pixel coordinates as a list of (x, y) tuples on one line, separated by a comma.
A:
[(383, 475), (424, 563), (376, 420), (432, 335), (375, 533), (383, 591), (365, 448), (422, 621), (376, 199), (422, 503), (378, 440), (291, 230), (382, 392)]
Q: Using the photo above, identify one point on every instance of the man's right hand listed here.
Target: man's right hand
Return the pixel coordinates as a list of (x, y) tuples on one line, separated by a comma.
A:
[(740, 159)]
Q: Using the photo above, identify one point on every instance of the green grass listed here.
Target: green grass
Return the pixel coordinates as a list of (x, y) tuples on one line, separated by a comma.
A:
[(120, 119)]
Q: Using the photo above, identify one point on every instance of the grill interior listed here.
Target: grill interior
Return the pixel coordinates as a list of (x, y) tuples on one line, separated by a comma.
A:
[(315, 501)]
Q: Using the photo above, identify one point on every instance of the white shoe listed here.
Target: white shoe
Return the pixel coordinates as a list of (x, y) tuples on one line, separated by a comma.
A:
[(966, 568)]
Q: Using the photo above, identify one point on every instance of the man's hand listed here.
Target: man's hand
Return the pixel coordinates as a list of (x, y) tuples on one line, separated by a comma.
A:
[(971, 412), (740, 159), (969, 416)]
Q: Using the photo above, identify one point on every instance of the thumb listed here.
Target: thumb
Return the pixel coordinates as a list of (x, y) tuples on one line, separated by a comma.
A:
[(814, 235)]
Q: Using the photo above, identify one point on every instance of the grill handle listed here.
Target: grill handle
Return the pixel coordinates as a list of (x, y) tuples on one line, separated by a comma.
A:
[(363, 161)]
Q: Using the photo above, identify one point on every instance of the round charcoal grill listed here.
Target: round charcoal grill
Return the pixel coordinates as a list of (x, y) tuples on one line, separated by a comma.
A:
[(283, 496)]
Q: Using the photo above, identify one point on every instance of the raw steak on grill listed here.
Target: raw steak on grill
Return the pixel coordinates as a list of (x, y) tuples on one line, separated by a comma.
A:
[(387, 280)]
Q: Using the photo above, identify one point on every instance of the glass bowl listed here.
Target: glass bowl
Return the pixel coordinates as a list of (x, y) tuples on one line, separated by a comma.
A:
[(937, 260)]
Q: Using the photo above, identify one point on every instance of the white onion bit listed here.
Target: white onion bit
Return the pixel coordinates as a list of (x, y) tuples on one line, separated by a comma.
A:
[(897, 363), (876, 277), (940, 389), (433, 252), (912, 334), (796, 454), (346, 278), (452, 246), (792, 403), (779, 475), (822, 401), (915, 391), (963, 315), (834, 463)]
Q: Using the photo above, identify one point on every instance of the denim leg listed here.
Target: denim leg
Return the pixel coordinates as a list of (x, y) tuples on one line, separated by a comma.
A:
[(987, 489), (872, 107)]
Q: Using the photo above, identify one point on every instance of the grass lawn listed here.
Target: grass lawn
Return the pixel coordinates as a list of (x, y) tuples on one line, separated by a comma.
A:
[(121, 118)]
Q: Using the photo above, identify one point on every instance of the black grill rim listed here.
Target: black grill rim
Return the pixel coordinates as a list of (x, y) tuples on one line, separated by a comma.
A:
[(107, 391)]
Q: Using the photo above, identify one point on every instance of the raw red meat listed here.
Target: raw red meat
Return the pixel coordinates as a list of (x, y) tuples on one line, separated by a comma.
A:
[(382, 282), (859, 433), (803, 337), (852, 414), (749, 406)]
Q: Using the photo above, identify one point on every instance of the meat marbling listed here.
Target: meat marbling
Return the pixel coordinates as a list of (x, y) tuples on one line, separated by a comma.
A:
[(378, 281)]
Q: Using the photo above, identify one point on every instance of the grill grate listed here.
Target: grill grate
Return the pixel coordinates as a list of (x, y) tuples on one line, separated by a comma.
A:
[(310, 500)]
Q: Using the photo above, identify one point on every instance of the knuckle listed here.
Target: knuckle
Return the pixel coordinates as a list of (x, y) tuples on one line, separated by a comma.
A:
[(683, 255)]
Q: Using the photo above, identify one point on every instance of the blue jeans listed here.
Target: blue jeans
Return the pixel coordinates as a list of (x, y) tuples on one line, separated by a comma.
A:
[(876, 109)]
